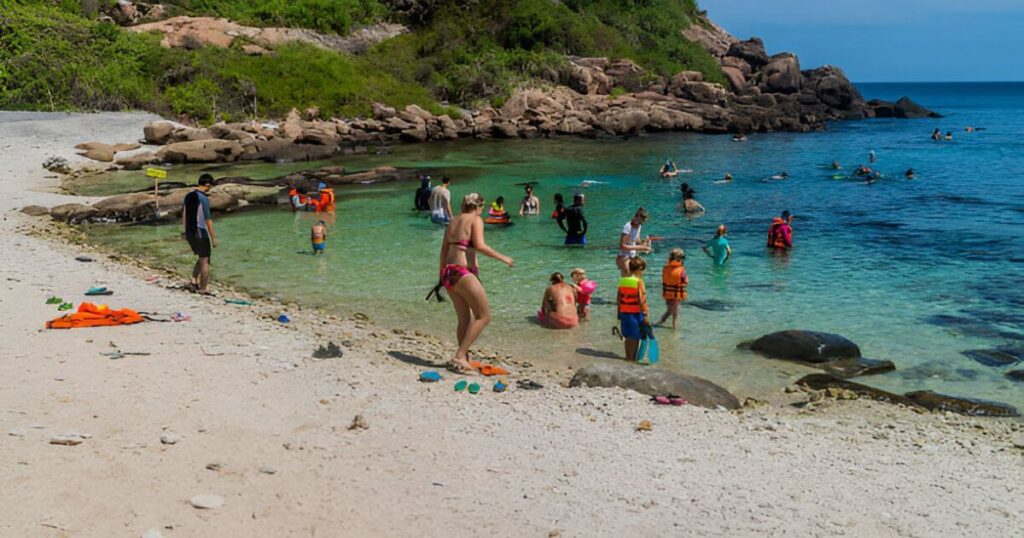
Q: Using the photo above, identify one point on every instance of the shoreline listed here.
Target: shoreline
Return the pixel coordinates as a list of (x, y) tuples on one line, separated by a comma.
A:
[(245, 398)]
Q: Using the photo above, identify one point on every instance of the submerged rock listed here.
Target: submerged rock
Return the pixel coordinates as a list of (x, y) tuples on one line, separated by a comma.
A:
[(806, 346), (655, 382), (713, 305), (1015, 375), (858, 366), (997, 357), (964, 406), (826, 381)]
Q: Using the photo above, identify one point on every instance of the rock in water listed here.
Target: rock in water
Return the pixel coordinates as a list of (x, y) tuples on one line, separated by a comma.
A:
[(655, 381), (825, 382), (845, 368), (964, 406), (997, 357), (906, 108), (807, 346), (207, 501), (1015, 375)]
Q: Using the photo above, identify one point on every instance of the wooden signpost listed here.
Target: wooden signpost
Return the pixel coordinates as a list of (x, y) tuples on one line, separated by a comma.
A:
[(157, 174)]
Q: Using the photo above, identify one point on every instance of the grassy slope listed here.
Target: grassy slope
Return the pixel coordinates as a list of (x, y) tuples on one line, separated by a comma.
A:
[(463, 52)]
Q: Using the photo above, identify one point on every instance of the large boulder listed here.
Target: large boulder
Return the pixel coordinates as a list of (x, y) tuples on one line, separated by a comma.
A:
[(832, 87), (906, 108), (700, 92), (200, 151), (737, 63), (280, 150), (964, 406), (655, 382), (137, 160), (64, 212), (254, 194), (97, 151), (751, 51), (35, 210), (805, 346), (626, 74), (737, 81), (781, 75), (621, 121), (159, 132)]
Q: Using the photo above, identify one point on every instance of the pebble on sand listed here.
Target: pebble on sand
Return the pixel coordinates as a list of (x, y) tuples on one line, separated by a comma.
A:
[(152, 533), (170, 438), (644, 426), (359, 423), (69, 439), (207, 501)]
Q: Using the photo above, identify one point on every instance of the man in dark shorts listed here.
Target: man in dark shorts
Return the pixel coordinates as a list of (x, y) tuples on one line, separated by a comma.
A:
[(198, 224), (575, 227)]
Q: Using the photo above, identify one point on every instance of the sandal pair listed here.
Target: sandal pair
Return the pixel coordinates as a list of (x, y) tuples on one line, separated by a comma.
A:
[(462, 385), (671, 399)]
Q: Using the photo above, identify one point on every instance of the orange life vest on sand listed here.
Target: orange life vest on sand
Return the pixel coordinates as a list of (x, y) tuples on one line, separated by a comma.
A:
[(632, 296), (90, 315), (775, 239), (673, 281)]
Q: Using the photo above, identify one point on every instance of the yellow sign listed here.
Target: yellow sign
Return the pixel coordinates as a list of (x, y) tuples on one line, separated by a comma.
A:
[(156, 172)]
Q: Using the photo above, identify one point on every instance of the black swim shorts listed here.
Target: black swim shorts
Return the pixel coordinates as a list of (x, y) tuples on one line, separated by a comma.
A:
[(200, 246)]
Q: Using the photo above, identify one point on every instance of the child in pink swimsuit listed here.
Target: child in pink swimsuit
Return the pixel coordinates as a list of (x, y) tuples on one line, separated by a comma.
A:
[(584, 288)]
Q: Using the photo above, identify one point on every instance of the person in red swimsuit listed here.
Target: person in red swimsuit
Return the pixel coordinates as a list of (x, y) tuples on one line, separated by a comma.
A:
[(463, 238)]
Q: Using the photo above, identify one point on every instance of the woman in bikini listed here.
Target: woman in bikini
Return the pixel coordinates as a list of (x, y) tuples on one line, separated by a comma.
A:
[(462, 240)]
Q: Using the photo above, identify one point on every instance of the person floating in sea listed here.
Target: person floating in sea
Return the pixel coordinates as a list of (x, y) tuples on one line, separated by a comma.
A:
[(969, 129), (949, 135), (862, 171), (463, 239), (937, 135), (726, 179), (718, 247), (910, 174), (739, 137), (780, 175), (673, 284), (558, 307), (872, 157), (421, 201), (441, 202), (197, 224), (584, 288), (318, 236), (836, 165), (300, 201), (632, 302), (575, 224), (530, 204), (629, 241), (690, 204), (780, 233), (669, 169), (497, 214)]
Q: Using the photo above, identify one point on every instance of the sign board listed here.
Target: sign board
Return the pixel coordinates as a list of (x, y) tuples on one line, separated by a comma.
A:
[(156, 173)]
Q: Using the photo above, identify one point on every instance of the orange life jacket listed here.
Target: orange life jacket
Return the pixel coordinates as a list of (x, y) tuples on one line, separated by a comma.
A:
[(673, 281), (326, 202), (90, 315), (632, 299)]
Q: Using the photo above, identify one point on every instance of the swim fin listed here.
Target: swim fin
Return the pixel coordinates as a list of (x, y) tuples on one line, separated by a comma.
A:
[(641, 353), (653, 355)]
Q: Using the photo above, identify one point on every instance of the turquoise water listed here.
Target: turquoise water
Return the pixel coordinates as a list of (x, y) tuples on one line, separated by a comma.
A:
[(913, 271)]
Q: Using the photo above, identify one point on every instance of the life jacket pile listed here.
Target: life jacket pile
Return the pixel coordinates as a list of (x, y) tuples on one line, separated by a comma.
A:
[(90, 315)]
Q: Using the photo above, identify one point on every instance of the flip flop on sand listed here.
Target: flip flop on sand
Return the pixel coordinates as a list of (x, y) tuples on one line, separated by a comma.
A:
[(487, 369), (65, 306), (474, 388), (460, 385), (430, 376), (500, 385), (99, 291), (660, 400), (54, 300), (527, 384)]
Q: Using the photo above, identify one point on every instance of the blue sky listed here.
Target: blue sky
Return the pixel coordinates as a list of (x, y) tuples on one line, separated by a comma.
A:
[(887, 41)]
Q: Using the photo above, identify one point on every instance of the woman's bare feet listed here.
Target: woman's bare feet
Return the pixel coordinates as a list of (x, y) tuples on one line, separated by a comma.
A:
[(460, 365)]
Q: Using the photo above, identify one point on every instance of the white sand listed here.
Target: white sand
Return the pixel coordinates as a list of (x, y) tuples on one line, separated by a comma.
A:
[(241, 391)]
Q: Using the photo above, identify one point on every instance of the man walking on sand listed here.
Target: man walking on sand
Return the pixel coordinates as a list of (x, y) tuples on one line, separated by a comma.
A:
[(198, 225)]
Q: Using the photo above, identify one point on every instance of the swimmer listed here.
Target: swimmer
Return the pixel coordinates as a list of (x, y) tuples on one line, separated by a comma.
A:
[(781, 175), (862, 171), (690, 204), (726, 179), (836, 165), (669, 169), (318, 236), (441, 202), (969, 129), (949, 135), (739, 137), (872, 157), (575, 224), (559, 213), (910, 174), (558, 307), (937, 135), (421, 200), (590, 182), (584, 288), (530, 204), (673, 284), (780, 233), (718, 247), (497, 213)]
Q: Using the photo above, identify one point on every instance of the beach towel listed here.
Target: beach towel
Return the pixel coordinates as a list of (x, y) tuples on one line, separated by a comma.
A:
[(90, 315)]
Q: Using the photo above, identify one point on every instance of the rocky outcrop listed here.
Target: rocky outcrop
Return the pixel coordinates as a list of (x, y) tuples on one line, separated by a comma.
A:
[(200, 151), (35, 210), (997, 357), (101, 152), (655, 382), (964, 406), (826, 381), (194, 32), (805, 346), (857, 366)]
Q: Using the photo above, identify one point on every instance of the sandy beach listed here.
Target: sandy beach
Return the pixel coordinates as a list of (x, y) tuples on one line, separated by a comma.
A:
[(232, 404)]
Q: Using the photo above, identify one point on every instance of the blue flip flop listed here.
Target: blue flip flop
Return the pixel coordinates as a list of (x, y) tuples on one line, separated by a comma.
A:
[(430, 376)]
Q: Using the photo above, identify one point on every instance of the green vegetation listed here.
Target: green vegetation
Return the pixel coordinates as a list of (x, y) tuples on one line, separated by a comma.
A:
[(462, 52)]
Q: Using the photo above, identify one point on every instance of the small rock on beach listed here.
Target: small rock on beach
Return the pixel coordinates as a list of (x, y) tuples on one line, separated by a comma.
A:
[(207, 501)]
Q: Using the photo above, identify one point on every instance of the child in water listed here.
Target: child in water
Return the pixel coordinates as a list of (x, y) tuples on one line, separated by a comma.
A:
[(584, 288), (318, 236), (497, 211), (632, 299), (673, 284)]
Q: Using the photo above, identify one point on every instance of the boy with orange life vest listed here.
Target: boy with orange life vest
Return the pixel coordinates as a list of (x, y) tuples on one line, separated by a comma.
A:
[(780, 233), (673, 284), (632, 300)]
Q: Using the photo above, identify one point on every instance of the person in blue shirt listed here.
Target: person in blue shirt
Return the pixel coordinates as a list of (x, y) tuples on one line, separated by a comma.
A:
[(718, 248), (198, 225)]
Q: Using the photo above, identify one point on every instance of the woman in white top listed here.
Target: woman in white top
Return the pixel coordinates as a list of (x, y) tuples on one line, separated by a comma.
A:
[(630, 243)]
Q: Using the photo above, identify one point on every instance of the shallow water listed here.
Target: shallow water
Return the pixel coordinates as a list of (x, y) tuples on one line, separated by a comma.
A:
[(913, 271)]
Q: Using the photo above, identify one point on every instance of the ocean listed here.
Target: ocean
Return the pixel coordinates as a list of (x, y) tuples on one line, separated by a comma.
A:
[(914, 271)]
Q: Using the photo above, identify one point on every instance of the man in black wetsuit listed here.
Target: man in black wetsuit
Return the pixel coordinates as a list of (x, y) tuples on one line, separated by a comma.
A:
[(576, 229), (422, 199)]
